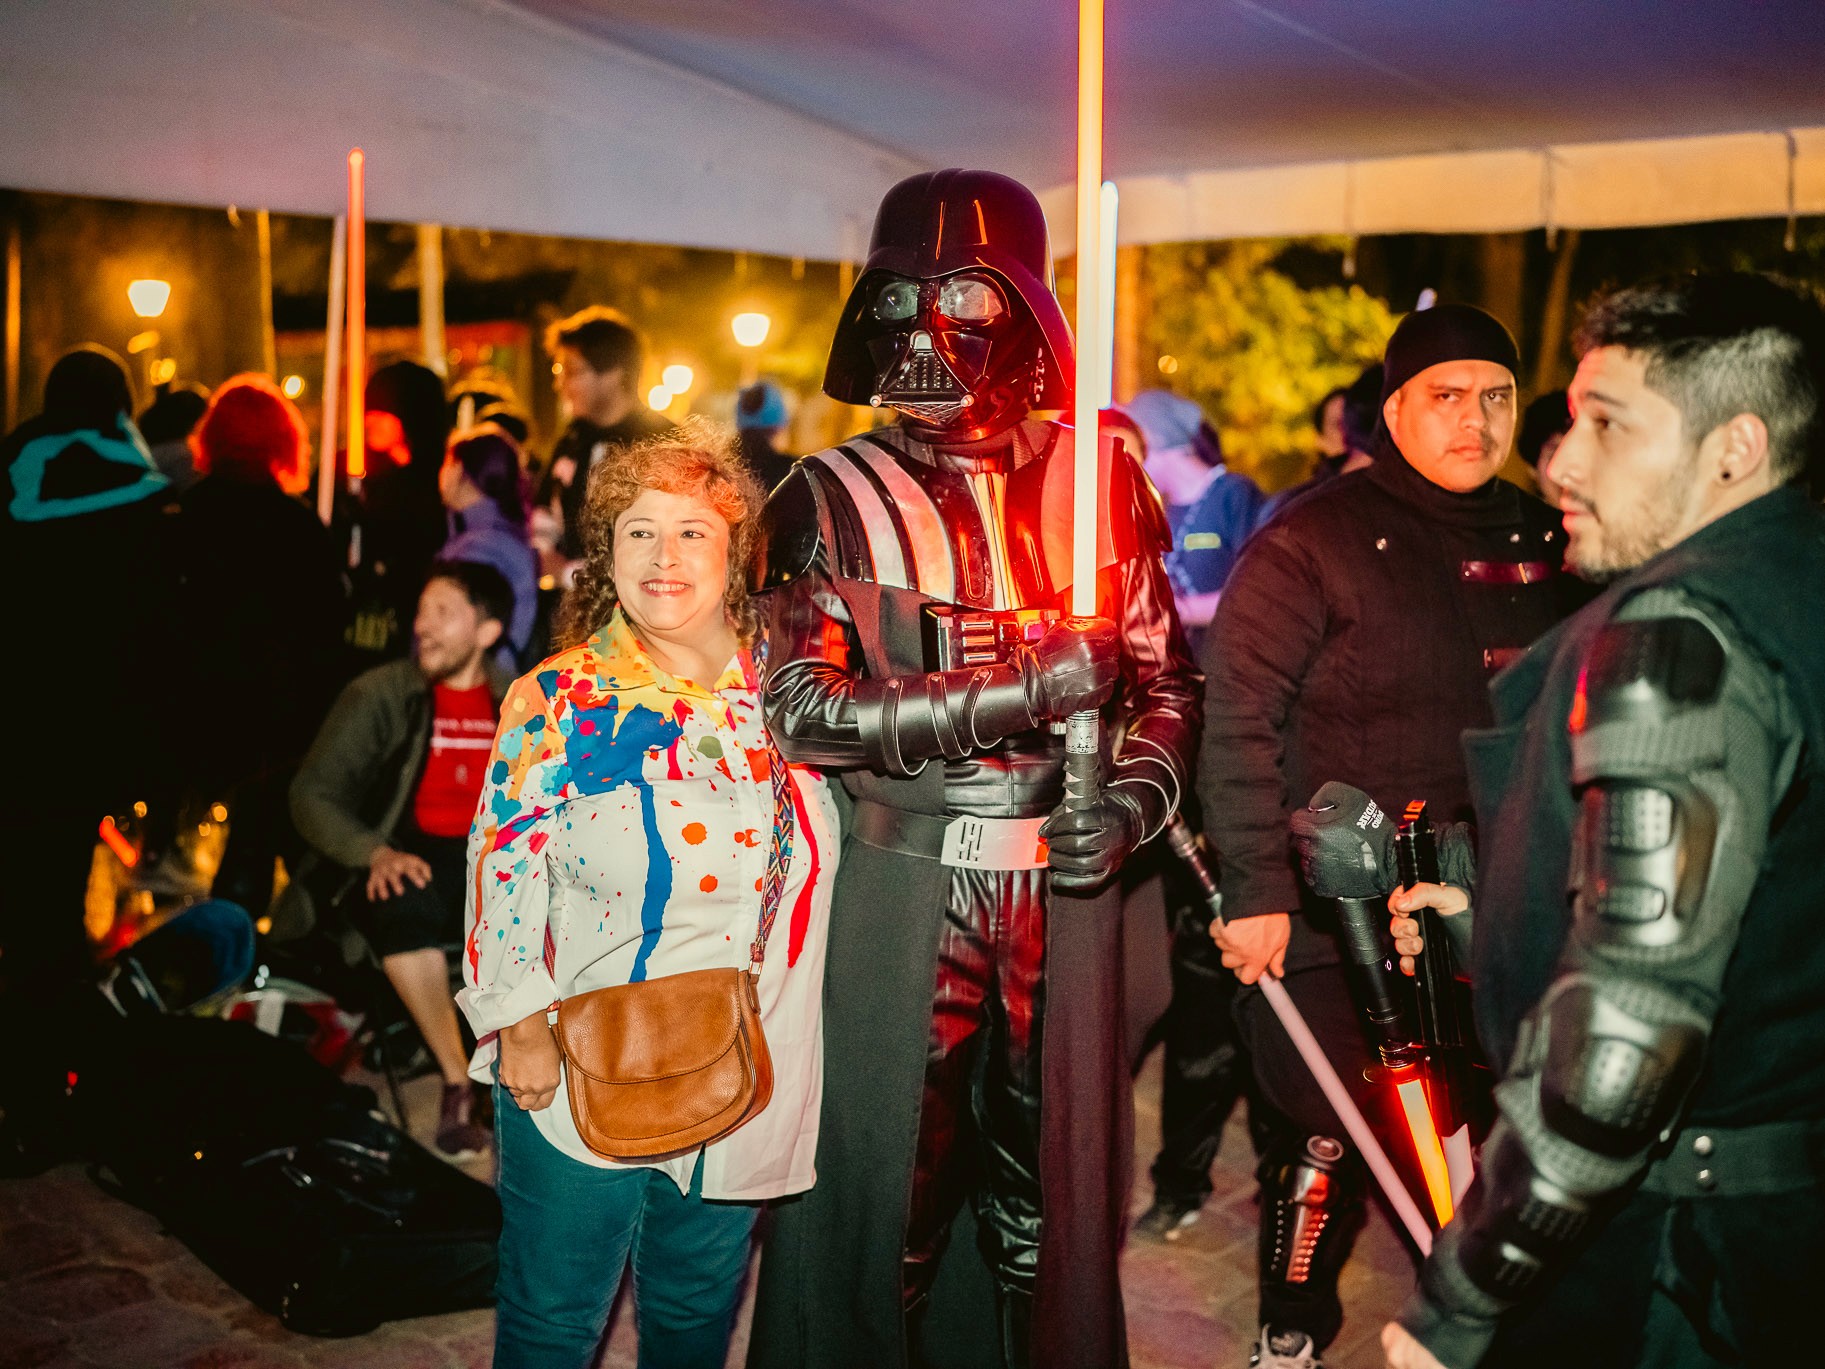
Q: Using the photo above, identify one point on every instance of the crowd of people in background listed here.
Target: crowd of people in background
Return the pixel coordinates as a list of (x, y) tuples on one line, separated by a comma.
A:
[(320, 682), (338, 687)]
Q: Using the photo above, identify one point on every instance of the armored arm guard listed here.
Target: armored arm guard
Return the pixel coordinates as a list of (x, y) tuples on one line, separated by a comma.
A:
[(824, 711), (1681, 745)]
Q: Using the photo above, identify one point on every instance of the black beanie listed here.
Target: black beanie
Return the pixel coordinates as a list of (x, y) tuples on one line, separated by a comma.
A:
[(1446, 332)]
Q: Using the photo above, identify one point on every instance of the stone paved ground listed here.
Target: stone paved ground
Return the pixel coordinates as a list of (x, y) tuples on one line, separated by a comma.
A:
[(87, 1282)]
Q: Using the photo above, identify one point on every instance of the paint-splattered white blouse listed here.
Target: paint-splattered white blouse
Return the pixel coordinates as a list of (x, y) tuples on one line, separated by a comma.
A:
[(623, 835)]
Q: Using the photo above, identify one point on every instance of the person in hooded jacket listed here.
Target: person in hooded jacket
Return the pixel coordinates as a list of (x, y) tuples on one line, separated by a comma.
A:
[(81, 509), (400, 524), (261, 599), (483, 485)]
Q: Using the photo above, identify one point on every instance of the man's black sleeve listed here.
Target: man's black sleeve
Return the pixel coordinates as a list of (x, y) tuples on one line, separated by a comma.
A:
[(1267, 631)]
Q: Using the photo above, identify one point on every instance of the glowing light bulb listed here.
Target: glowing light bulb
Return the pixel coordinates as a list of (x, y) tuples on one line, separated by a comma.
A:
[(751, 329), (677, 378), (149, 297), (658, 398), (293, 386)]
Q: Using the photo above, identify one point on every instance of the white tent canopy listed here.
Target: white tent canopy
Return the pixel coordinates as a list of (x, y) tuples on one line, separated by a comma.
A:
[(774, 125)]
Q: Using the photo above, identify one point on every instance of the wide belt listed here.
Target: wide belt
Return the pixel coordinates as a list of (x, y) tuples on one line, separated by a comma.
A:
[(1740, 1162), (964, 842)]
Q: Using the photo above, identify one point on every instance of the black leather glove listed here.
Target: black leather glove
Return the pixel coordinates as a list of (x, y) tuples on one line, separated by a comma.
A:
[(1074, 666), (1345, 844), (1086, 846)]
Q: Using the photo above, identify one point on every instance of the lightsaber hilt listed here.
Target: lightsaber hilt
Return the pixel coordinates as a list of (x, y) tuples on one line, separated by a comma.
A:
[(1416, 855), (1190, 847), (1083, 759), (1369, 962)]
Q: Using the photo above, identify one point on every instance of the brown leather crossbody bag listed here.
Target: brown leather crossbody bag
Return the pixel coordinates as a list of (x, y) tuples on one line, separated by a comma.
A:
[(661, 1067)]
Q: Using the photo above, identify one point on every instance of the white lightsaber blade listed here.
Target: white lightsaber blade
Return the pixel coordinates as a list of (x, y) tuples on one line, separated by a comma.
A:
[(1083, 730)]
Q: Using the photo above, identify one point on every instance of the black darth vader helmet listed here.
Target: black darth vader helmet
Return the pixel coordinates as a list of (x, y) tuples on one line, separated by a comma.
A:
[(953, 321)]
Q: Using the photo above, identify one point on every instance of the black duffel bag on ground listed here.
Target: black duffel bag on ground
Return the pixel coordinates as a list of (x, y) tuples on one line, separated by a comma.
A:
[(280, 1177)]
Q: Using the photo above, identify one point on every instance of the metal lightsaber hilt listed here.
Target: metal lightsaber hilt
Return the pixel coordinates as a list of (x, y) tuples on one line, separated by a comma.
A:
[(1416, 855), (1083, 759), (1190, 847), (1375, 978)]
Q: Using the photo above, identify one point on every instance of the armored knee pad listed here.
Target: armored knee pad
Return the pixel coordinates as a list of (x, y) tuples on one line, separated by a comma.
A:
[(1310, 1194)]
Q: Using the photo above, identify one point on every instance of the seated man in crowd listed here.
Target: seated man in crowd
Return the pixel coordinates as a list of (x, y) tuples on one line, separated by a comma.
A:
[(387, 793)]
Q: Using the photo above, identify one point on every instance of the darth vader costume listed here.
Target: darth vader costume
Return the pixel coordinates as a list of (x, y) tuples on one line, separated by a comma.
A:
[(916, 582)]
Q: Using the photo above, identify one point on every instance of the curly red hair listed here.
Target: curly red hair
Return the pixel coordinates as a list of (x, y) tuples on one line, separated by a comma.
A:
[(694, 459), (252, 433)]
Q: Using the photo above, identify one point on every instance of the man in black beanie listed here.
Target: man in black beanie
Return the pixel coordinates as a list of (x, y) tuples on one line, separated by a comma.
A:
[(1354, 641)]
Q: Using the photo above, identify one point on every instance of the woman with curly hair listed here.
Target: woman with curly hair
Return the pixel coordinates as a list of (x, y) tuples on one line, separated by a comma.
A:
[(624, 834)]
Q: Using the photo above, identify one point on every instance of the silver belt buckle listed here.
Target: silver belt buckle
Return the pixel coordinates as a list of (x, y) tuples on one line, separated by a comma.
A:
[(994, 844)]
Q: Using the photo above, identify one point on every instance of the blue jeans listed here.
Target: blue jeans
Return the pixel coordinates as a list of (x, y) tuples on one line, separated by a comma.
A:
[(568, 1230)]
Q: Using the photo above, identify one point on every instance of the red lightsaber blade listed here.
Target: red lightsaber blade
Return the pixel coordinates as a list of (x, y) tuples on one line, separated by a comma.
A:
[(1420, 1126)]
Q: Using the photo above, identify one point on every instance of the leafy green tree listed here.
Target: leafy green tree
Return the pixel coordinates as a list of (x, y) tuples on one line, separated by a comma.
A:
[(1223, 324)]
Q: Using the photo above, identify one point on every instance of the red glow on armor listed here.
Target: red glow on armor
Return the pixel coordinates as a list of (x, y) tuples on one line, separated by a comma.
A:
[(1580, 706)]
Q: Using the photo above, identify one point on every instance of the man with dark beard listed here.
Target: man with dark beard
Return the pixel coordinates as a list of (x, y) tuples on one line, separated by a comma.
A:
[(1647, 960), (1354, 641)]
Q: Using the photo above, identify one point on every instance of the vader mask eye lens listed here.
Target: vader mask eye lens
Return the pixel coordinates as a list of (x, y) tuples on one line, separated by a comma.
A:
[(970, 301), (897, 301)]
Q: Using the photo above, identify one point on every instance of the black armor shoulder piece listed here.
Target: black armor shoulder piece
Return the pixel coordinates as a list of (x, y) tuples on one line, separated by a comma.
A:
[(1646, 670), (1131, 522), (1152, 533), (789, 534)]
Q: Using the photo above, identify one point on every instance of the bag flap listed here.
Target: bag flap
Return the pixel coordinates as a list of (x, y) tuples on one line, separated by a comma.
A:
[(656, 1029)]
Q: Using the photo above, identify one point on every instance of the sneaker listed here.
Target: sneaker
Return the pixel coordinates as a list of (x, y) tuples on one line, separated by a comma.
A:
[(459, 1136), (1284, 1350), (1166, 1220)]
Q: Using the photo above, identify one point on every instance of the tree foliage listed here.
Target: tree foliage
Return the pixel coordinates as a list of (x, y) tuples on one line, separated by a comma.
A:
[(1226, 325)]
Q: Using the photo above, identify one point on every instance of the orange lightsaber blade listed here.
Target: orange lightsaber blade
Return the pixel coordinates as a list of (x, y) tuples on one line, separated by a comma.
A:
[(1426, 1145), (124, 850)]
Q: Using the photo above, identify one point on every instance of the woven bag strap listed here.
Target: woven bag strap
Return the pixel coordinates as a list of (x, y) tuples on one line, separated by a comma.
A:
[(779, 853)]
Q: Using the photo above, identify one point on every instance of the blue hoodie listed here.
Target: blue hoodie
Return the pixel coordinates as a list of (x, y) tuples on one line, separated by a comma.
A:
[(483, 533)]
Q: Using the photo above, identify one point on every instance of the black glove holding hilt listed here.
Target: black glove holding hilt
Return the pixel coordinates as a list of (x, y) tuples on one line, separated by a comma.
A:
[(906, 720)]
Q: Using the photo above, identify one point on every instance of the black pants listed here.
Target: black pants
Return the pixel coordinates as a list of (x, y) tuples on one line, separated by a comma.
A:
[(979, 1118), (1323, 997), (419, 919), (1205, 1069), (45, 966)]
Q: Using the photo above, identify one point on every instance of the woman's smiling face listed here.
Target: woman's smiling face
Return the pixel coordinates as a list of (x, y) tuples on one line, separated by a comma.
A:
[(672, 566)]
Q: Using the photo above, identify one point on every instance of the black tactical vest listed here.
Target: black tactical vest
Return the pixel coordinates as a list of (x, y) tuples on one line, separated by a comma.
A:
[(1762, 567)]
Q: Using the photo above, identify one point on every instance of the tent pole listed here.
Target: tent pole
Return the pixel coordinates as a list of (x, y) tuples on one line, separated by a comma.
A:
[(269, 354), (431, 295), (332, 374)]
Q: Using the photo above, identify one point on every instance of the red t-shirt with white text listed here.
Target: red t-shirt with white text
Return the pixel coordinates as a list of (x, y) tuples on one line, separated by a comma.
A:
[(462, 732)]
